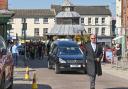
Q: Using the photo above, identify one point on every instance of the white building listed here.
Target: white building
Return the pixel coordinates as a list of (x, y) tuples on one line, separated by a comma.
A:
[(118, 17), (95, 19), (39, 22)]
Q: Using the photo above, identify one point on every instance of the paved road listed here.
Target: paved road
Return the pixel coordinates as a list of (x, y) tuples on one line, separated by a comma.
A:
[(47, 79)]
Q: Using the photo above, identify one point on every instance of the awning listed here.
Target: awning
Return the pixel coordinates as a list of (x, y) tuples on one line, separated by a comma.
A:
[(116, 38), (66, 30)]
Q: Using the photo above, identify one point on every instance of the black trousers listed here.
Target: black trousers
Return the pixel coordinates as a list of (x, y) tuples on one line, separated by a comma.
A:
[(92, 81)]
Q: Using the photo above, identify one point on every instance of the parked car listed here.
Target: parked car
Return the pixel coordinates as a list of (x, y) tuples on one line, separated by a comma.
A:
[(66, 55), (6, 66), (20, 49)]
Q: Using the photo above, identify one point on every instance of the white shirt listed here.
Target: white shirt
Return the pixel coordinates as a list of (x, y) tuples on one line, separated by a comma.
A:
[(14, 49), (93, 46)]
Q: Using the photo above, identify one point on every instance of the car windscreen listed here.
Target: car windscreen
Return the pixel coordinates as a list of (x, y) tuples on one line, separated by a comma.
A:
[(69, 51), (2, 44), (20, 47)]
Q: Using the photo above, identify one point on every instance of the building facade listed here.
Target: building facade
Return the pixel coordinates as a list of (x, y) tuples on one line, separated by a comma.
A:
[(95, 19), (39, 22), (124, 10), (5, 15), (3, 4), (122, 24), (118, 31)]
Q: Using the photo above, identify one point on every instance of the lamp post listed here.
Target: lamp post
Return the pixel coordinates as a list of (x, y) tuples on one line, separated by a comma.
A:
[(24, 28)]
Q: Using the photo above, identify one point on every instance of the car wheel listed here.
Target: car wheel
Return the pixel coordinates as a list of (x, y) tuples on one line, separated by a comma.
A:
[(49, 65), (2, 85), (85, 71), (11, 86), (57, 69)]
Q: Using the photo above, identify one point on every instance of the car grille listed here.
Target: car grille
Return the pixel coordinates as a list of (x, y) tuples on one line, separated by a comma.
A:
[(74, 61)]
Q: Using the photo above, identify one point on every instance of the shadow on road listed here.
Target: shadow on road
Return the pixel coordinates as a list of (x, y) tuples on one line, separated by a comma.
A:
[(29, 86), (73, 72), (32, 63), (36, 63), (118, 88)]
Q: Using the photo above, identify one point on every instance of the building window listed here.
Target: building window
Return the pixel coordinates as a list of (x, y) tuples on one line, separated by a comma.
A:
[(45, 20), (68, 21), (96, 30), (89, 20), (36, 32), (103, 20), (82, 20), (96, 20), (36, 20), (103, 31), (89, 30), (45, 30)]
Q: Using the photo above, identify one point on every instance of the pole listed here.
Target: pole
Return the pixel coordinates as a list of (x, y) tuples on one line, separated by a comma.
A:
[(125, 6), (24, 29)]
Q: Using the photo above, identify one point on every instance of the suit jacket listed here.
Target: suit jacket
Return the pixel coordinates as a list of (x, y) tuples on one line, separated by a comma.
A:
[(93, 66)]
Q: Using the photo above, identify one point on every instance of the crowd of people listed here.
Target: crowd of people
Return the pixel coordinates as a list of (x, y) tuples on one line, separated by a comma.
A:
[(32, 50), (35, 50)]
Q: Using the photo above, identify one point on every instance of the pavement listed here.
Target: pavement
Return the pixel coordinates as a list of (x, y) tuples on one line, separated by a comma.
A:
[(106, 68), (21, 83), (114, 71)]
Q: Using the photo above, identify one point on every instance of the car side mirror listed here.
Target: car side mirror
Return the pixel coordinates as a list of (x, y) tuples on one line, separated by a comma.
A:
[(4, 51)]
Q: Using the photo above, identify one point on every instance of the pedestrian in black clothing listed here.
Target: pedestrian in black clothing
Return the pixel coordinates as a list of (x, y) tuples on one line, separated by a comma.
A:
[(40, 51), (93, 52), (118, 51)]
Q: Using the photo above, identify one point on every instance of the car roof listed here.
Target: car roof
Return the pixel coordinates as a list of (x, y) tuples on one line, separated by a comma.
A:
[(65, 43), (2, 42)]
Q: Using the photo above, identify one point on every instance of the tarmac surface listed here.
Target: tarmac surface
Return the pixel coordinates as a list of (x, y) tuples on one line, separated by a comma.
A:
[(118, 72), (112, 78)]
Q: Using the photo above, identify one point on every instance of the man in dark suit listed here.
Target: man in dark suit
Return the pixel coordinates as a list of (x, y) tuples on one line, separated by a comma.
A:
[(93, 52)]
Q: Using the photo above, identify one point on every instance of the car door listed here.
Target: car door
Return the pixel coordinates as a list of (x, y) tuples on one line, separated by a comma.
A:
[(6, 64), (8, 69), (54, 55)]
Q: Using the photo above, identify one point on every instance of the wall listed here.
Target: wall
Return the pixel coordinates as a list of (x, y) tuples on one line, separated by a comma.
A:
[(3, 4)]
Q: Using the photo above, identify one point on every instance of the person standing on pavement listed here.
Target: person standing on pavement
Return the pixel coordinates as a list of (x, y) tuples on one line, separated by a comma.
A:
[(14, 53), (93, 53), (118, 51)]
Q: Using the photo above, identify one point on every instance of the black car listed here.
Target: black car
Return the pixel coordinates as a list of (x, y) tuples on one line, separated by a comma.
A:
[(66, 55)]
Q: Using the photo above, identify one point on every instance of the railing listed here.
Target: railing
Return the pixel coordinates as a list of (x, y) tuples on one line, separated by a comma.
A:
[(119, 64)]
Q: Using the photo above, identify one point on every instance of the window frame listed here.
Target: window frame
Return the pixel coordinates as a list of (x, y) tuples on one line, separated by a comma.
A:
[(103, 31), (103, 21), (82, 20), (45, 20), (96, 20), (36, 33), (90, 30), (89, 20), (36, 20)]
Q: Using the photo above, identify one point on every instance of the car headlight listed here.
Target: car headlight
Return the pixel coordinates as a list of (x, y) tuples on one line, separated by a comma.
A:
[(61, 60)]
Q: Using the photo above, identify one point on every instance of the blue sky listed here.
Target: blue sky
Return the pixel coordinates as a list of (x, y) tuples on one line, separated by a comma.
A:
[(46, 3)]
